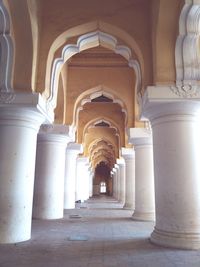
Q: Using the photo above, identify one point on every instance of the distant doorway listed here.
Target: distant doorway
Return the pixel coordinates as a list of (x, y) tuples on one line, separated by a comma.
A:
[(103, 188)]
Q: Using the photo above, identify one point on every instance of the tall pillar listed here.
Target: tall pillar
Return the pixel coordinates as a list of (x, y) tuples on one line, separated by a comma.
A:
[(72, 152), (20, 119), (121, 164), (82, 179), (91, 175), (175, 120), (117, 181), (114, 177), (50, 169), (144, 174), (129, 157)]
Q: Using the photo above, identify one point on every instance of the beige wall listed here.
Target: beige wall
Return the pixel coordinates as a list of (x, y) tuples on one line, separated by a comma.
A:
[(120, 80)]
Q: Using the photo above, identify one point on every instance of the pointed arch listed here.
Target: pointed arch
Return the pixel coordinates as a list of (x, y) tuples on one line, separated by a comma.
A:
[(88, 95), (99, 119), (86, 41)]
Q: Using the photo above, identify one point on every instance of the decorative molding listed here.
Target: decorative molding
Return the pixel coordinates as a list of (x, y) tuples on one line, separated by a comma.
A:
[(171, 104), (7, 97), (186, 91), (187, 57), (6, 50)]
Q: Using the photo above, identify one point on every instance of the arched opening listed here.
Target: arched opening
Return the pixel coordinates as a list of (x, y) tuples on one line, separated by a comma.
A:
[(87, 42), (103, 188), (102, 180)]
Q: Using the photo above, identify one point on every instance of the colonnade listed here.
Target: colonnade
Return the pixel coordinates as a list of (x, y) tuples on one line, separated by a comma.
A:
[(172, 158)]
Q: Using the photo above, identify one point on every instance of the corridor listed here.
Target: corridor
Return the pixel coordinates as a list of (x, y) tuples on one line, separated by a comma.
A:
[(98, 233)]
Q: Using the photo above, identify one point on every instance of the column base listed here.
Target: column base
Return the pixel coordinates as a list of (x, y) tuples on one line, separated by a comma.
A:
[(175, 240), (128, 207), (143, 216)]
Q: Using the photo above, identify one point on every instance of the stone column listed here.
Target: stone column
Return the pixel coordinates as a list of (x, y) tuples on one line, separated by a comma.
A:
[(121, 164), (91, 175), (50, 170), (144, 174), (82, 179), (72, 152), (129, 157), (117, 182), (175, 120), (114, 177), (20, 119)]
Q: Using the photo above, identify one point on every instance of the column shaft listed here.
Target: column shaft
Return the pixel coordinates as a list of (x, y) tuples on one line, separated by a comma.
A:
[(70, 174), (122, 188), (129, 157), (176, 130), (49, 175), (18, 135), (82, 179), (144, 175)]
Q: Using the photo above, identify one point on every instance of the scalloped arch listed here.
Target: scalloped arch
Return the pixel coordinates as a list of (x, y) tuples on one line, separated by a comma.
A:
[(92, 93), (99, 119), (95, 142), (91, 27), (87, 41)]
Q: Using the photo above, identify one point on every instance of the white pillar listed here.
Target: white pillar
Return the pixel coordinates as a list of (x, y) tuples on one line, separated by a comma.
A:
[(91, 176), (50, 169), (144, 174), (117, 182), (121, 164), (82, 179), (72, 152), (175, 119), (114, 177), (129, 157), (18, 134)]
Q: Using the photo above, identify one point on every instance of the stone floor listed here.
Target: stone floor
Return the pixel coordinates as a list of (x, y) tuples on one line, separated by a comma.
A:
[(98, 233)]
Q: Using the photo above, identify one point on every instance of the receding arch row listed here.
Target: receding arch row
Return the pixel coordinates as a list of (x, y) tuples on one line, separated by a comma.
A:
[(110, 122), (101, 141), (90, 94), (87, 41)]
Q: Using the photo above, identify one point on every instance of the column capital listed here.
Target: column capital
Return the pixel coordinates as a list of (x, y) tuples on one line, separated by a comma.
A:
[(56, 133), (31, 101), (74, 148), (128, 153), (159, 101), (120, 161), (83, 159), (140, 136), (23, 117)]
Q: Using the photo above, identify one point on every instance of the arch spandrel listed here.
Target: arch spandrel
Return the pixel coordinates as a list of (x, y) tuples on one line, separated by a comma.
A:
[(165, 17), (23, 45)]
